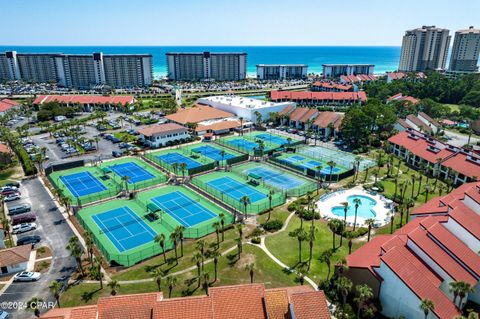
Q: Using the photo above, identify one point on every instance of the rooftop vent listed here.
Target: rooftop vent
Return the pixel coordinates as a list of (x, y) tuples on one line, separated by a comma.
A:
[(433, 149), (472, 159), (413, 137)]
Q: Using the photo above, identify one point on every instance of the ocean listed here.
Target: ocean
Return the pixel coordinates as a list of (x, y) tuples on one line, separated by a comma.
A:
[(385, 58)]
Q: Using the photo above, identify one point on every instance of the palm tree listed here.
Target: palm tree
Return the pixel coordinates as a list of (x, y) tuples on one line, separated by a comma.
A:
[(365, 294), (180, 230), (241, 125), (157, 275), (222, 154), (319, 177), (454, 288), (345, 210), (206, 280), (174, 239), (222, 223), (217, 227), (55, 288), (426, 305), (250, 268), (370, 222), (183, 166), (464, 289), (332, 165), (357, 203), (34, 305), (76, 251), (200, 247), (215, 255), (245, 200), (427, 190), (125, 180), (160, 239), (334, 225), (344, 286), (270, 197), (114, 286), (87, 236), (325, 257), (311, 240), (96, 270), (171, 282), (197, 258), (175, 168), (239, 247), (301, 235), (6, 228), (357, 167)]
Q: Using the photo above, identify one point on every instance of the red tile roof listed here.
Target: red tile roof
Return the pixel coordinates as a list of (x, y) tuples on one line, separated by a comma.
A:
[(218, 126), (128, 306), (4, 148), (325, 118), (350, 97), (238, 302), (357, 78), (310, 305), (276, 301), (193, 307), (14, 255), (417, 144), (403, 264), (162, 128), (298, 113), (197, 114), (310, 115), (400, 75), (6, 104), (286, 110), (85, 99), (429, 119), (331, 85), (401, 97), (460, 163)]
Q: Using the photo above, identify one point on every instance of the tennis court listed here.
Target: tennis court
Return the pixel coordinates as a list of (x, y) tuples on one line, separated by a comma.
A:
[(306, 162), (272, 138), (276, 178), (236, 190), (243, 144), (124, 228), (135, 172), (178, 158), (183, 209), (325, 169), (212, 152), (82, 184)]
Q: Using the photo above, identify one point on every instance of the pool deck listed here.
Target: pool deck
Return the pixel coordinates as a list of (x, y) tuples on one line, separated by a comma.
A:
[(327, 202)]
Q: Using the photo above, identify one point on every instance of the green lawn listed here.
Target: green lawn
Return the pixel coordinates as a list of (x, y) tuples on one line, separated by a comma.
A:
[(230, 271)]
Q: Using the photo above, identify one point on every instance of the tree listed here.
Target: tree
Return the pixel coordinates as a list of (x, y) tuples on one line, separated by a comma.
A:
[(125, 180), (357, 203), (197, 258), (180, 230), (464, 289), (157, 275), (250, 268), (344, 286), (174, 239), (370, 222), (301, 235), (96, 270), (245, 200), (215, 255), (334, 225), (206, 282), (311, 241), (217, 227), (76, 251), (171, 282), (114, 286), (319, 177), (160, 239), (6, 227), (325, 257), (87, 236), (55, 288), (258, 117), (183, 167), (345, 210), (34, 305), (175, 168), (332, 165), (222, 223), (364, 295), (200, 247), (426, 305)]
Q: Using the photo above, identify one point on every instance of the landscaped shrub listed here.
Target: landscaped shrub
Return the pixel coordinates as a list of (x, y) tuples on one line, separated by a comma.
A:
[(357, 233), (27, 164), (308, 215), (272, 225), (256, 240), (256, 232), (293, 206)]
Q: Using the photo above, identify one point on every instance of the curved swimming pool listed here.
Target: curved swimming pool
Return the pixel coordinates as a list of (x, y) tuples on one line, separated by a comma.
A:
[(364, 209)]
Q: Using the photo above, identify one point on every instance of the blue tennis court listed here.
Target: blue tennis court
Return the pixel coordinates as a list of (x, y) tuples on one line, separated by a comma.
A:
[(272, 138), (178, 158), (325, 168), (241, 143), (212, 152), (236, 190), (293, 159), (82, 184), (124, 228), (185, 210), (132, 170), (276, 178)]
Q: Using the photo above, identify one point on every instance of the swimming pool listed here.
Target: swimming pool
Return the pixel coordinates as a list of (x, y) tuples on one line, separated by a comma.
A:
[(364, 209)]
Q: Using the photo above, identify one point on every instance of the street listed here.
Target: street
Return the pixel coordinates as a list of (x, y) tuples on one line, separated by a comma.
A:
[(55, 234), (457, 139)]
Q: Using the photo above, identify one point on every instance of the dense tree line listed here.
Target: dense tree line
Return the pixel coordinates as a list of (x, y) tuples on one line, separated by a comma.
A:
[(49, 110), (464, 90)]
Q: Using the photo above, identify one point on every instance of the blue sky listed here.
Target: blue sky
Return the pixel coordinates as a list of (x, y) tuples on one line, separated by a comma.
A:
[(217, 22)]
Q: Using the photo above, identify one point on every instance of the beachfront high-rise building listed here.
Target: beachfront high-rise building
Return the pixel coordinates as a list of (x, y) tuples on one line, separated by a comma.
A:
[(82, 71), (465, 51), (218, 66), (336, 70), (281, 71), (424, 48)]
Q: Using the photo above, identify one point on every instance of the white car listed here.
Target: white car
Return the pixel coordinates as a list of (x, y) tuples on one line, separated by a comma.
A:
[(12, 197), (24, 227), (27, 276)]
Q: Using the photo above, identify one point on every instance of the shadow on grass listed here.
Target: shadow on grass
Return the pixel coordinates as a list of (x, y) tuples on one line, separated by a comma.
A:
[(88, 295)]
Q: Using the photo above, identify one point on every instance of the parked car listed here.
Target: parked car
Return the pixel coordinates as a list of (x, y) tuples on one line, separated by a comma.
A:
[(13, 184), (22, 228), (12, 197), (117, 153), (19, 209), (27, 276), (7, 192), (33, 239), (115, 140), (4, 314), (23, 218)]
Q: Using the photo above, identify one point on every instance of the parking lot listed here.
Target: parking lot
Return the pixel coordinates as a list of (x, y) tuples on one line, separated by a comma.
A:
[(54, 233)]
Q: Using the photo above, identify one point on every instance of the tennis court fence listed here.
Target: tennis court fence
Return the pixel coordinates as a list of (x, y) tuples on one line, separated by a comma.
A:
[(238, 159), (278, 198), (342, 158), (289, 192), (178, 170)]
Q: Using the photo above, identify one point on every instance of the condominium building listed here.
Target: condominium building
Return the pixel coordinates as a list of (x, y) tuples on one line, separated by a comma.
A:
[(281, 71), (424, 48), (218, 66), (336, 70), (81, 71), (465, 51)]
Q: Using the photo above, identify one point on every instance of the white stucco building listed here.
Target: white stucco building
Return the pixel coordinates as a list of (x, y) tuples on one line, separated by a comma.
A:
[(244, 106), (160, 134)]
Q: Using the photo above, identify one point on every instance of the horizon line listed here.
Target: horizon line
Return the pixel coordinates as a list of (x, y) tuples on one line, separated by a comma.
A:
[(183, 45)]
